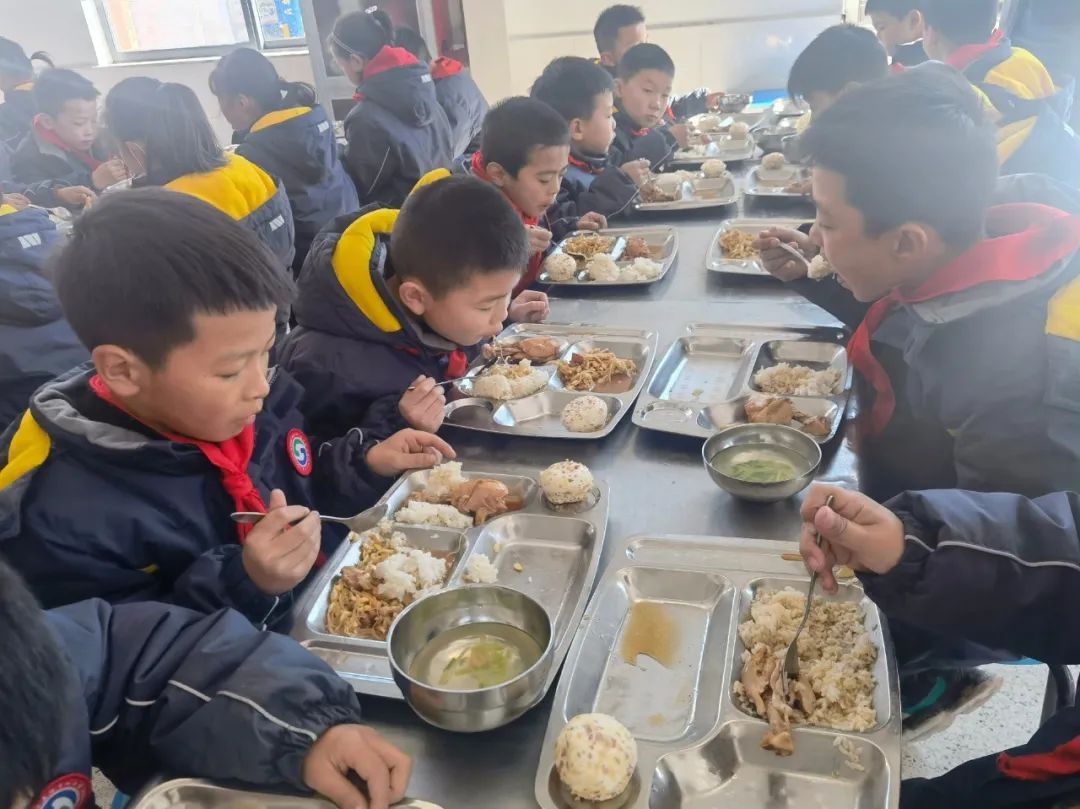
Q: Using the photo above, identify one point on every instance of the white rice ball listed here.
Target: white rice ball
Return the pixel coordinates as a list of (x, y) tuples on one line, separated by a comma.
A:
[(602, 267), (820, 268), (441, 481), (740, 130), (595, 756), (566, 482), (714, 169), (774, 161), (585, 414), (560, 267)]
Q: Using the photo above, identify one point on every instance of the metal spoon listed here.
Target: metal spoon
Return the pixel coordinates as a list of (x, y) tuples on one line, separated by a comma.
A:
[(791, 658), (364, 521), (795, 252)]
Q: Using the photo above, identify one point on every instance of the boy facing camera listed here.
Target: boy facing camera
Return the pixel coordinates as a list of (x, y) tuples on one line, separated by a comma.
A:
[(643, 90), (137, 689), (525, 152), (392, 302), (59, 150), (968, 350), (121, 476)]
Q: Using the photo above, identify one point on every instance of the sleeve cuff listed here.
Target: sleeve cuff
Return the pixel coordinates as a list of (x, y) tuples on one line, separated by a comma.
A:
[(248, 599), (902, 578), (296, 746)]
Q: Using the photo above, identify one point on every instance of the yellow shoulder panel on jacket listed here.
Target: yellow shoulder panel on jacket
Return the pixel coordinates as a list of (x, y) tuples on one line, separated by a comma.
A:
[(1063, 313), (239, 188), (432, 176), (278, 117), (29, 448), (352, 266)]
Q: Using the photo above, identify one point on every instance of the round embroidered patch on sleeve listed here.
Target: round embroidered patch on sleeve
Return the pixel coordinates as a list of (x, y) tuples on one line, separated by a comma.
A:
[(71, 791), (298, 448)]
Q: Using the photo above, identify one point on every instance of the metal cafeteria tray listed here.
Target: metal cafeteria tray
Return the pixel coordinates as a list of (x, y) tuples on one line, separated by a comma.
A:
[(697, 748), (558, 548), (663, 244), (788, 108), (705, 378), (720, 147), (717, 261), (755, 187), (539, 415), (751, 119), (698, 192), (193, 793)]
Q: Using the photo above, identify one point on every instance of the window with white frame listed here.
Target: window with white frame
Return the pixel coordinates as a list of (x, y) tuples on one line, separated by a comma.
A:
[(138, 30)]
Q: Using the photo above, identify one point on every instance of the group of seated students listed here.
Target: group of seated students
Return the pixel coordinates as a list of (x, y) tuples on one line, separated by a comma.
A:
[(144, 405)]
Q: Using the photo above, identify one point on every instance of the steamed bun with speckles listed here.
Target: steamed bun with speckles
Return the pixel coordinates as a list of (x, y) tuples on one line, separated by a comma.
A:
[(566, 482), (774, 161), (585, 414), (739, 130), (714, 169), (560, 267), (595, 757)]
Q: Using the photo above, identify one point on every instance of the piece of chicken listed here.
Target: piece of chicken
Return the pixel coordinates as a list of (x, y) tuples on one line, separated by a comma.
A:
[(755, 679), (483, 498), (769, 410), (815, 426), (539, 349)]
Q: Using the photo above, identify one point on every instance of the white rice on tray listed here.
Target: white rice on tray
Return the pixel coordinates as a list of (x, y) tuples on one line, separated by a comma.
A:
[(441, 481), (436, 514), (479, 570), (836, 654), (502, 382), (797, 380)]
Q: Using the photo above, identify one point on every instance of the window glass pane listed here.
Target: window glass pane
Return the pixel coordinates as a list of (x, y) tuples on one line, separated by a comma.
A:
[(279, 21), (151, 25)]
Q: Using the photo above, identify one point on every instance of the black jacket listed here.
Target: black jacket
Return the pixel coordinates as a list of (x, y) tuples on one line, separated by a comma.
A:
[(39, 167), (633, 143), (36, 342), (463, 103), (16, 116), (298, 147), (593, 183), (356, 349), (397, 132)]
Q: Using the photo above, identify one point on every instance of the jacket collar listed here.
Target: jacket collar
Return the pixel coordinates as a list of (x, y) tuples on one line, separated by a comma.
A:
[(278, 117), (444, 67), (963, 56), (387, 59), (589, 163)]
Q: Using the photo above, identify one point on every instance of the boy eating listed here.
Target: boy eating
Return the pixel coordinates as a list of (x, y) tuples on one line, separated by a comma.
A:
[(392, 302), (838, 59), (59, 151), (582, 92), (120, 478), (137, 689), (899, 26), (643, 89), (524, 152)]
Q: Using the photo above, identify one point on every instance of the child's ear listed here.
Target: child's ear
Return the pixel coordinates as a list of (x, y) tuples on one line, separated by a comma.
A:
[(414, 296), (47, 121), (577, 129), (497, 173), (607, 58), (914, 22), (124, 373), (913, 242), (618, 87)]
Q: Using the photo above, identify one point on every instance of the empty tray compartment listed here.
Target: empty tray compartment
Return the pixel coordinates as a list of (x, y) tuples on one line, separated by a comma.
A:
[(700, 369)]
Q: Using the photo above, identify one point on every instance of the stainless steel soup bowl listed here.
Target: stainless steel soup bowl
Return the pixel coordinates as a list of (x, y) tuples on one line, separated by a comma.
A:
[(484, 708), (776, 434)]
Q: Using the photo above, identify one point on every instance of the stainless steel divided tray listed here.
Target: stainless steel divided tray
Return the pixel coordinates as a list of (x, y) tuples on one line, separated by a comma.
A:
[(557, 547), (539, 415), (721, 147), (663, 244), (193, 793), (698, 192), (716, 259), (705, 379), (725, 120), (697, 747), (758, 187)]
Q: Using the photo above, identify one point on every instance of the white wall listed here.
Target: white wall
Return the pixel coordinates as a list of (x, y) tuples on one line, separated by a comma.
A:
[(732, 45), (60, 27)]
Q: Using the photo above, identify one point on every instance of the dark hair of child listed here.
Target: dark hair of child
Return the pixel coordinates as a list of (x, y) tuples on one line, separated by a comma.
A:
[(570, 85), (246, 72), (516, 126), (897, 8), (455, 228), (361, 33), (36, 691), (606, 30), (963, 22), (838, 56), (15, 65), (911, 148), (56, 86), (171, 123), (141, 265), (645, 56), (411, 41)]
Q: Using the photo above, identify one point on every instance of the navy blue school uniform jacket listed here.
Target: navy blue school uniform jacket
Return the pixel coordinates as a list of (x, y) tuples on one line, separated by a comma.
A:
[(36, 342), (1002, 571), (463, 103), (632, 142), (40, 166), (154, 688), (17, 115), (298, 147), (397, 132), (681, 107), (355, 348), (94, 504), (593, 183)]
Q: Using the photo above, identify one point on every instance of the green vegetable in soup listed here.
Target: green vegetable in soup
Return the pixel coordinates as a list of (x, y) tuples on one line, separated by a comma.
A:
[(762, 470)]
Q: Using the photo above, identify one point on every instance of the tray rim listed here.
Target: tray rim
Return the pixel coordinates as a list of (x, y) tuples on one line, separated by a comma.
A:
[(158, 785), (715, 261), (696, 204), (384, 686), (752, 189), (887, 736), (667, 263), (741, 156)]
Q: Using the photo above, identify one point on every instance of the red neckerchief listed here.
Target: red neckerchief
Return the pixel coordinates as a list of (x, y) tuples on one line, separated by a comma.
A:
[(637, 133), (230, 458), (387, 58), (581, 164), (49, 136), (1062, 761), (457, 361), (966, 54), (1045, 236), (444, 66), (896, 68), (478, 166)]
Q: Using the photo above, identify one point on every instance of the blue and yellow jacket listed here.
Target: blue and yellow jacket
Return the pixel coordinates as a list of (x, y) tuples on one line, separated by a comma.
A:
[(95, 505), (36, 342), (297, 146), (250, 196), (354, 344), (154, 687)]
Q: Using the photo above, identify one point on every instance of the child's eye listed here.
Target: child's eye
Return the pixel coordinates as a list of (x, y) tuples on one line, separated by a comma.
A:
[(229, 376)]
